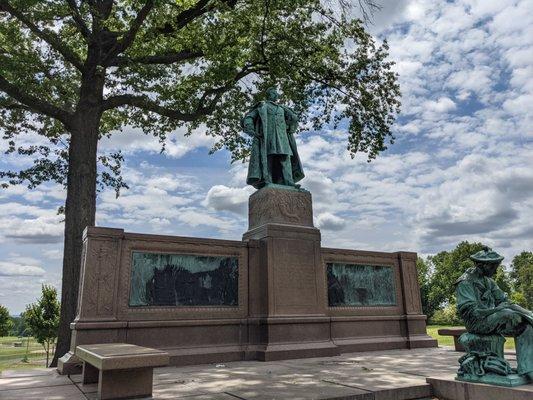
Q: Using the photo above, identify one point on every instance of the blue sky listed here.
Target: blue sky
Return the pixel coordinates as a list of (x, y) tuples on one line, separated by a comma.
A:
[(461, 169)]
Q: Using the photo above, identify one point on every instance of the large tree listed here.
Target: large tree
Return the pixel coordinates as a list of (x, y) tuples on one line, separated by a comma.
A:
[(73, 71)]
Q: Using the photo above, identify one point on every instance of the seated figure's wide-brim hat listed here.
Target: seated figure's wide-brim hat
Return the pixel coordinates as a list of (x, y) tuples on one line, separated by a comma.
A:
[(487, 255)]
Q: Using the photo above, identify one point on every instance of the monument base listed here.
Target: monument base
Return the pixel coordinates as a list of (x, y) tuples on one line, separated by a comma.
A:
[(495, 379), (452, 389), (288, 315), (282, 309), (287, 351), (69, 364)]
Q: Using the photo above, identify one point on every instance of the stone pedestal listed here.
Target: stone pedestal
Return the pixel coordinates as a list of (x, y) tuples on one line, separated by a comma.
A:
[(447, 388), (287, 305)]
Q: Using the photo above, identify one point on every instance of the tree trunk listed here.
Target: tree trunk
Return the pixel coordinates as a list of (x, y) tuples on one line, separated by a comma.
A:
[(80, 210), (47, 348)]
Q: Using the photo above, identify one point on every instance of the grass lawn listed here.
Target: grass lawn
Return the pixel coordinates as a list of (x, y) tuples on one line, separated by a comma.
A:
[(11, 357), (448, 340)]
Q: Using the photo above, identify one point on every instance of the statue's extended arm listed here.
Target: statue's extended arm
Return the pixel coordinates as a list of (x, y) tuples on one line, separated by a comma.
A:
[(248, 124)]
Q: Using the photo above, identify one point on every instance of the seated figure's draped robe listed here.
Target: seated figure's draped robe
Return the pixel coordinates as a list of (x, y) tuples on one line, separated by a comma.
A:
[(485, 310)]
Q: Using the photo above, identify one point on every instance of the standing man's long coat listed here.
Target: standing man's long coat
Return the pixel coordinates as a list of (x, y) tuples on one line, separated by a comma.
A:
[(255, 123)]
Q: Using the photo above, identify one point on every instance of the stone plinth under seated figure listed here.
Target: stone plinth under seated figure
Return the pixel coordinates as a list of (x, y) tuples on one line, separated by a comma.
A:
[(488, 315)]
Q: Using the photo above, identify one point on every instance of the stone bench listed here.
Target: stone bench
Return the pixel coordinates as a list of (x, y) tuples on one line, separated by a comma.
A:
[(455, 332), (122, 370)]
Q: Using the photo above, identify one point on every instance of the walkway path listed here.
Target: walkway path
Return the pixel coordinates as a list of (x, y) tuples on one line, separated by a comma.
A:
[(386, 375)]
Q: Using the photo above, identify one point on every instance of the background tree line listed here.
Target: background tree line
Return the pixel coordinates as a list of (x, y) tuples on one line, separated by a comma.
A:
[(437, 275)]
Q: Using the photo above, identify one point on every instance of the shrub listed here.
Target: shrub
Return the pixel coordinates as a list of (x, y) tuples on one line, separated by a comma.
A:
[(446, 316)]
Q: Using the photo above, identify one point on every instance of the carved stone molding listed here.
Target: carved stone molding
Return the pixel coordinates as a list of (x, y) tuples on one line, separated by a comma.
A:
[(410, 287), (99, 275)]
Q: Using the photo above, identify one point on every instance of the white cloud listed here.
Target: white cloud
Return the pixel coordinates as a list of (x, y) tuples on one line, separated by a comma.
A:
[(460, 168), (329, 221), (47, 228), (54, 254), (442, 105), (477, 80), (131, 141), (195, 217), (224, 198), (14, 269)]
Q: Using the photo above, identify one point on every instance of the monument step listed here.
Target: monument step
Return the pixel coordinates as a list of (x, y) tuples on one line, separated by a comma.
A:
[(450, 389)]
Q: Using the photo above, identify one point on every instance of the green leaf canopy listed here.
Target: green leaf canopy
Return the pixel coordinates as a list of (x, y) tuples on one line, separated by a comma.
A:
[(166, 64)]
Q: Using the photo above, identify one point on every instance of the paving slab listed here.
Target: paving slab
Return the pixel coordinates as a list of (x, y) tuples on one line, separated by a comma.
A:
[(19, 373), (383, 375), (301, 389), (66, 392), (76, 378), (388, 386), (425, 372), (36, 381), (221, 372), (263, 383), (164, 392), (210, 396), (87, 388)]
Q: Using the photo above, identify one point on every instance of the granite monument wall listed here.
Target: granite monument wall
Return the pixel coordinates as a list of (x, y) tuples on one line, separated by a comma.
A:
[(275, 295)]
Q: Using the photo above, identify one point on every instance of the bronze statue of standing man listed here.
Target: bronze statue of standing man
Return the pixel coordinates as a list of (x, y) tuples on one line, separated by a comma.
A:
[(274, 158)]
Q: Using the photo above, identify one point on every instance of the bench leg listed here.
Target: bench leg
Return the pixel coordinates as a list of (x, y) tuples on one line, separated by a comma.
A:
[(90, 373), (125, 383), (458, 345)]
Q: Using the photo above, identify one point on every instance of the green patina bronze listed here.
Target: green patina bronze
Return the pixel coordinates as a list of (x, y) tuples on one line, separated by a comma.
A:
[(161, 279), (489, 316), (274, 158), (355, 285)]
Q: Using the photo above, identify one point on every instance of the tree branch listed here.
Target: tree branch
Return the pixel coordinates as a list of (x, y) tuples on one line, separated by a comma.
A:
[(143, 102), (169, 58), (186, 16), (129, 36), (48, 36), (10, 105), (146, 104), (33, 102), (76, 16)]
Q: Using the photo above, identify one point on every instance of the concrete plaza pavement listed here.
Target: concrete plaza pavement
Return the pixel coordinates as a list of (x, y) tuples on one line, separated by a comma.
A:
[(384, 375)]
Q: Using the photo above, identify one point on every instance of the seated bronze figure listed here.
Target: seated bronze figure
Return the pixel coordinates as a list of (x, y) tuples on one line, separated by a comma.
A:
[(488, 316)]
